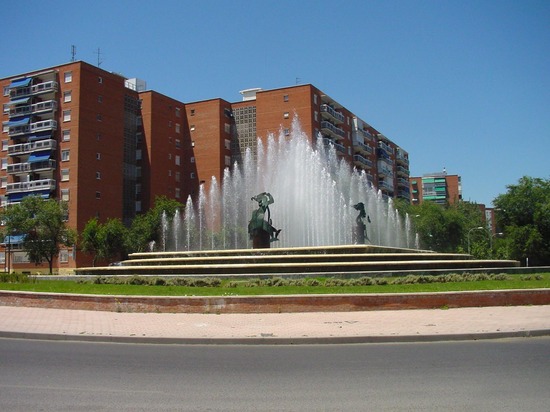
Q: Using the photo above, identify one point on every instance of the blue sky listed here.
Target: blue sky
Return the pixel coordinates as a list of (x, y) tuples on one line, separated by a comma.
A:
[(461, 85)]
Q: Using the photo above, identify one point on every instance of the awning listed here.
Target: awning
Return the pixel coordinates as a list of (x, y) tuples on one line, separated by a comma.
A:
[(20, 82), (18, 101), (18, 122), (47, 134), (39, 156), (14, 240), (17, 197)]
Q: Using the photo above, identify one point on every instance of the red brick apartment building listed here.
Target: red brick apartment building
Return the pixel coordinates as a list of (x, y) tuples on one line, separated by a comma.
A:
[(439, 188), (109, 147)]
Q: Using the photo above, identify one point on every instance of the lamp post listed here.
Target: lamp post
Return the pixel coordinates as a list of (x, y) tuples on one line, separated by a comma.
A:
[(470, 231)]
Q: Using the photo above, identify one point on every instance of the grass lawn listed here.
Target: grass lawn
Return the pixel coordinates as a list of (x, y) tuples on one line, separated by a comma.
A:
[(228, 288)]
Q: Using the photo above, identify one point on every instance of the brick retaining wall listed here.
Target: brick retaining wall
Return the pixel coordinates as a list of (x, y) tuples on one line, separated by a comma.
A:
[(276, 304)]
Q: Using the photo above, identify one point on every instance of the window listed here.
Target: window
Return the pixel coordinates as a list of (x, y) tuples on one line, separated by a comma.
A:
[(67, 96), (99, 117), (63, 256), (68, 77), (285, 98), (65, 195), (138, 206), (169, 156), (66, 135), (5, 145), (178, 193), (227, 144), (100, 80), (98, 156), (100, 99), (192, 128), (4, 182), (177, 127), (286, 132), (65, 155), (286, 115), (228, 160), (315, 98), (64, 175), (4, 164), (192, 175), (178, 176), (178, 112), (316, 115), (169, 173), (192, 112), (192, 159), (178, 143), (138, 154), (98, 175), (227, 128), (98, 195), (178, 160), (98, 137), (66, 115), (138, 188)]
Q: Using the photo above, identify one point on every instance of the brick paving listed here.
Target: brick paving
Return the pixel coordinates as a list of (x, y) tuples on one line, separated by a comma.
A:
[(276, 328)]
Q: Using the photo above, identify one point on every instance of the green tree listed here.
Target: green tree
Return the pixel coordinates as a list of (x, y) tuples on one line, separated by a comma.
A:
[(42, 222), (90, 241), (523, 214), (146, 228)]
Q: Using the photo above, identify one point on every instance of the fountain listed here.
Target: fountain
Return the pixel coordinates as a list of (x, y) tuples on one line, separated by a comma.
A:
[(315, 190)]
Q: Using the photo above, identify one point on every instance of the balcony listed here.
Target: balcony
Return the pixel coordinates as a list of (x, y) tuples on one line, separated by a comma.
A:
[(385, 147), (332, 130), (25, 148), (331, 114), (403, 183), (402, 171), (362, 147), (21, 168), (43, 125), (32, 186), (40, 88), (339, 147), (41, 107), (362, 161), (400, 158)]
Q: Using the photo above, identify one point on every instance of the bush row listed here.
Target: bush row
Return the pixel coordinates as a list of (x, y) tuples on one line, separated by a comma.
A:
[(329, 282)]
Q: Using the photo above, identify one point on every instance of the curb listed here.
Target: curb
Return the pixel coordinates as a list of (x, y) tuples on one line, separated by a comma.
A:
[(277, 303), (278, 341)]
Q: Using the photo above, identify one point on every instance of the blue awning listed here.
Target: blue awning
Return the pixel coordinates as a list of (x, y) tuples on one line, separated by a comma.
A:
[(20, 82), (14, 239), (18, 101), (47, 134), (39, 156), (17, 197), (18, 122)]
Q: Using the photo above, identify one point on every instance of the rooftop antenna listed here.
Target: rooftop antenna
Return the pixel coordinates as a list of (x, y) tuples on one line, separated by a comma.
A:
[(99, 61), (73, 52), (298, 80)]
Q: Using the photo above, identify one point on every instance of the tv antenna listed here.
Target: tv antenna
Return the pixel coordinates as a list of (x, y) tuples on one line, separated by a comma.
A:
[(99, 61), (73, 52), (298, 80)]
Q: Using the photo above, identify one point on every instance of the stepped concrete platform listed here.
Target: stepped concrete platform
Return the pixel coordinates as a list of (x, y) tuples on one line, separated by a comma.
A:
[(342, 261)]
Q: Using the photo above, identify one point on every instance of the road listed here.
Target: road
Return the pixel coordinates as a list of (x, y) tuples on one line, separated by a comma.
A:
[(489, 375)]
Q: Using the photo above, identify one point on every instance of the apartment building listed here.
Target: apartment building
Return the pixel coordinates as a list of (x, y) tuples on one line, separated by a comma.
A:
[(95, 139), (264, 112), (108, 146), (439, 188)]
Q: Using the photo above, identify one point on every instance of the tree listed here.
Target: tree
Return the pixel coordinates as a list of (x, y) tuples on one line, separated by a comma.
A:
[(42, 222), (90, 241), (147, 228), (523, 214), (104, 241)]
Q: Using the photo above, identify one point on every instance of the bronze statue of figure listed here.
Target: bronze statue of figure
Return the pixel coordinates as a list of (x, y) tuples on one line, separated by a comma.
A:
[(258, 225), (361, 228)]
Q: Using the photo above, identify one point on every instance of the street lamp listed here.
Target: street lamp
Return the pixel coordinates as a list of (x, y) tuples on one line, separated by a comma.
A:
[(470, 231)]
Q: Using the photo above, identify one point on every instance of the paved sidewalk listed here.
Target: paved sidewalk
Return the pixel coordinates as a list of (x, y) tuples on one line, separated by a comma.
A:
[(283, 328)]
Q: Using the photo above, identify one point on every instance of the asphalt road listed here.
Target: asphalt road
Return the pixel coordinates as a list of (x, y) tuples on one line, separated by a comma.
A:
[(489, 375)]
